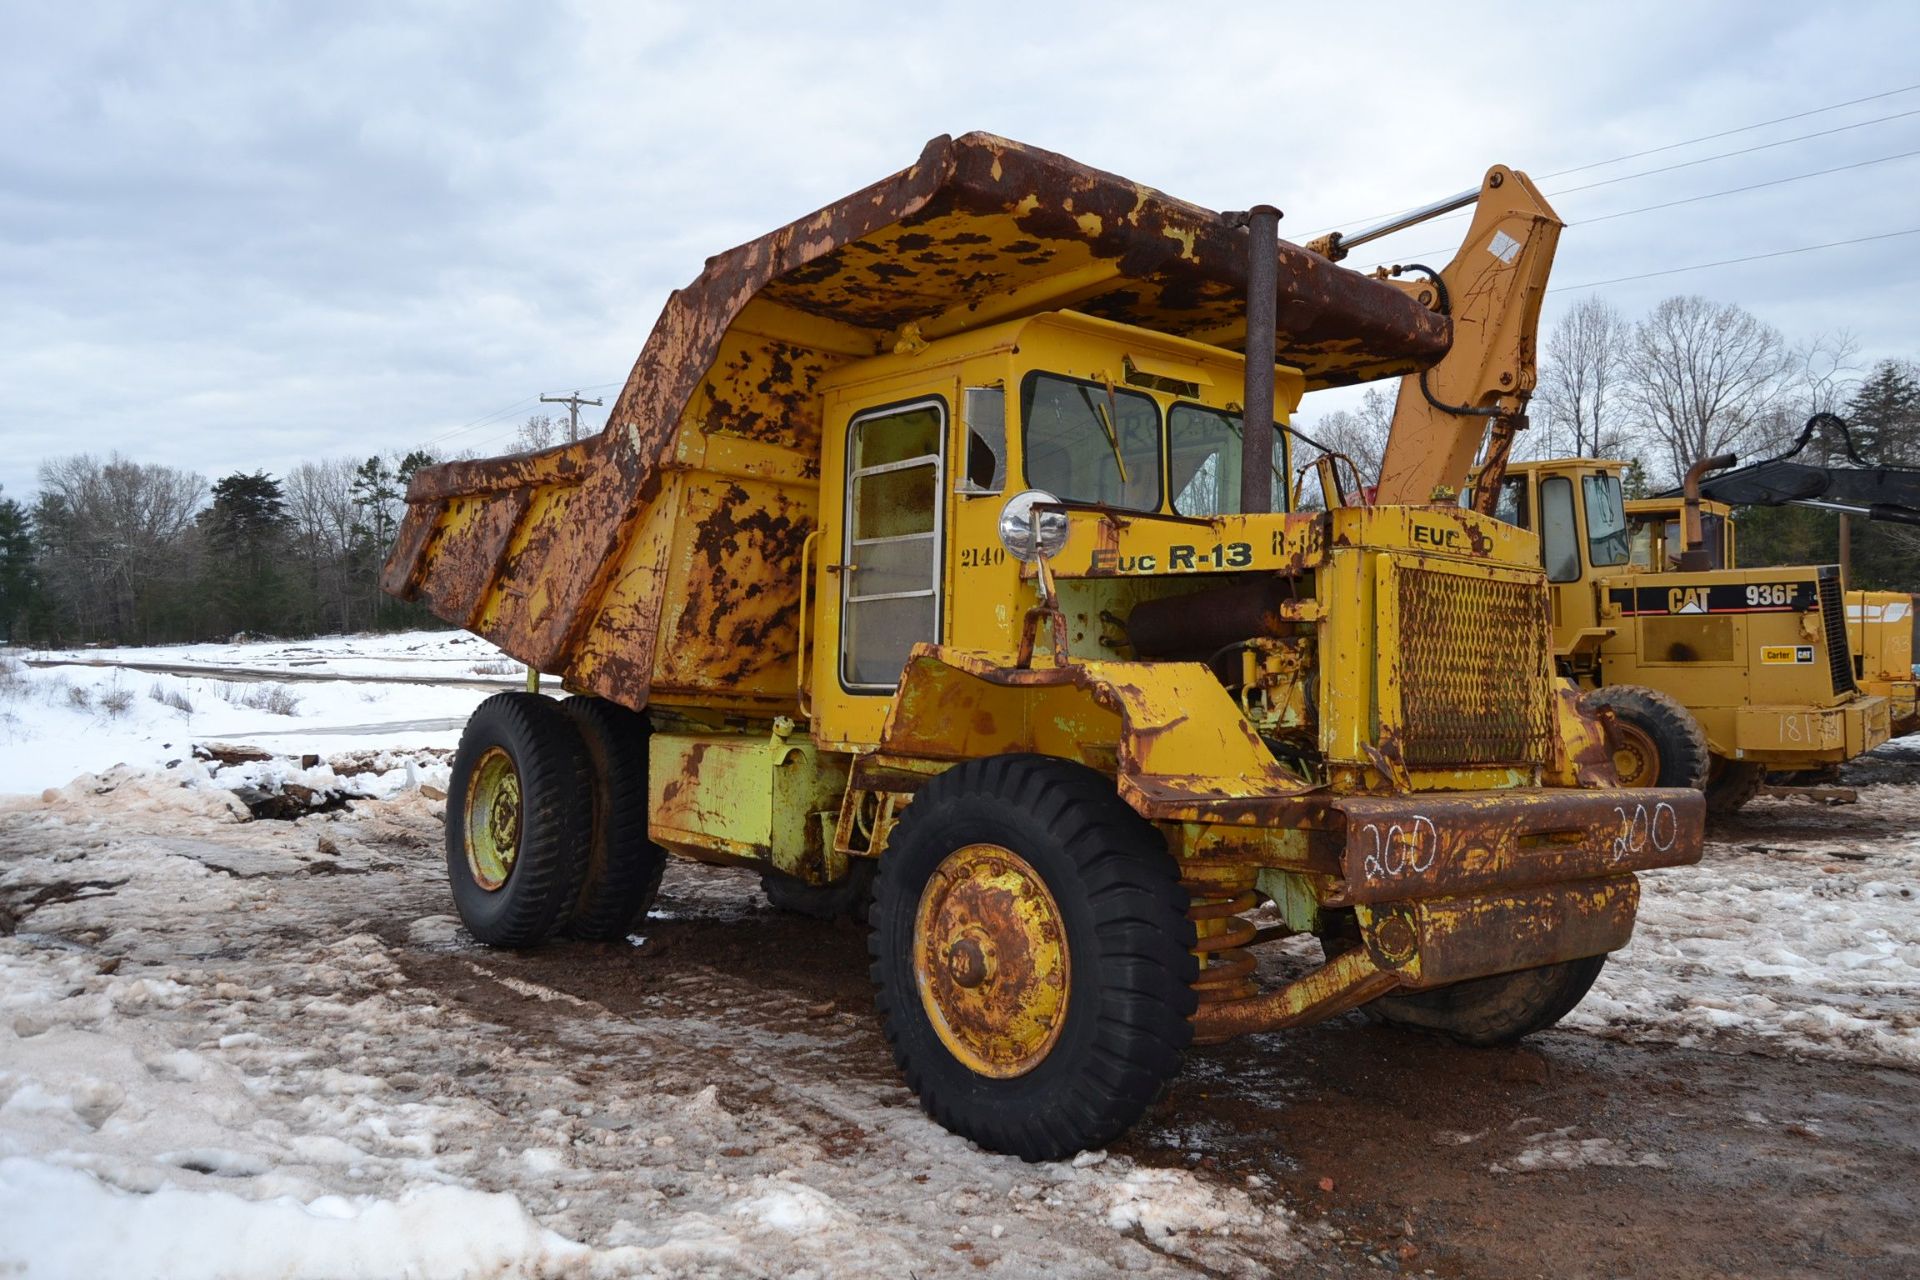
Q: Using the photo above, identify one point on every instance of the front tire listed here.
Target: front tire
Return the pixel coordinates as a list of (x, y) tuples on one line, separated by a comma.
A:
[(519, 815), (1657, 742), (1730, 784), (1032, 956)]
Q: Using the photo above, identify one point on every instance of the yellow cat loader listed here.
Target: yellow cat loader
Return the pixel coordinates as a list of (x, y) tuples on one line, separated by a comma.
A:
[(1716, 675), (930, 565), (1881, 625)]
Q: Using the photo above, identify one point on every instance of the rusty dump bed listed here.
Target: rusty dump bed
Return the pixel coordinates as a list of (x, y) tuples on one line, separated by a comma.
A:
[(658, 561)]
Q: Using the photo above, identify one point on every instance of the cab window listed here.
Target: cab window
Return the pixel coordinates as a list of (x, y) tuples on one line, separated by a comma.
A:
[(1089, 442), (1607, 539), (1559, 530), (1204, 452)]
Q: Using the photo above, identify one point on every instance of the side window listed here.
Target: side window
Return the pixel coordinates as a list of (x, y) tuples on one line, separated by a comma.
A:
[(986, 468), (1606, 520), (1559, 530), (1511, 505), (1203, 456), (889, 593), (1086, 442)]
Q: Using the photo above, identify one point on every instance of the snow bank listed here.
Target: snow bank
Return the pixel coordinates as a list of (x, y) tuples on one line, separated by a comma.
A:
[(58, 722), (57, 1223)]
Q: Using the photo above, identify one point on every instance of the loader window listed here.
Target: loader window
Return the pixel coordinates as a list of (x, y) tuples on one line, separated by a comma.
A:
[(1559, 530), (1203, 452), (890, 597), (1607, 538), (1087, 442)]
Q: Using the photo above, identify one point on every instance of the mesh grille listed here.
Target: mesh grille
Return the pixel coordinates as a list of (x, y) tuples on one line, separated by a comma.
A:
[(1475, 678), (1833, 614)]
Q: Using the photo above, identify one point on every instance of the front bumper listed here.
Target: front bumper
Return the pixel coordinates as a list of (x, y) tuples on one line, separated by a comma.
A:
[(1448, 888), (1787, 737)]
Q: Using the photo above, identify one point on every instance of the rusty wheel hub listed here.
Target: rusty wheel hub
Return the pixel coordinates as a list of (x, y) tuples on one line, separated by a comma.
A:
[(990, 960), (492, 806), (1635, 757)]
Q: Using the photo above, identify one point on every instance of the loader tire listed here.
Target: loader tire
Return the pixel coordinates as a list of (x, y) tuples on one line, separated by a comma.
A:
[(1658, 742), (519, 815), (623, 866), (1730, 784), (1032, 956), (848, 898)]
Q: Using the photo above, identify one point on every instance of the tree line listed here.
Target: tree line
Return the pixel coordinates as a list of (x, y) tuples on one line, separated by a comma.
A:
[(1693, 378), (123, 552)]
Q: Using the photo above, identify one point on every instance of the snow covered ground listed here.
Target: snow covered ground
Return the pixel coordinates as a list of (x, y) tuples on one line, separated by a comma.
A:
[(64, 713), (215, 1060), (229, 1047)]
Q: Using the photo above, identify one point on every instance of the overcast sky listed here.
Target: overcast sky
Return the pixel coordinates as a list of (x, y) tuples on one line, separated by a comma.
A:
[(235, 236)]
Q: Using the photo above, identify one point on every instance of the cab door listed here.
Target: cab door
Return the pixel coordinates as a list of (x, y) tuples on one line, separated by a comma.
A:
[(889, 560)]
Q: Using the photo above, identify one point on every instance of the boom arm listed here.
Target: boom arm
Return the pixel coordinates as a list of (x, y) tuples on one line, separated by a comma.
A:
[(1492, 291)]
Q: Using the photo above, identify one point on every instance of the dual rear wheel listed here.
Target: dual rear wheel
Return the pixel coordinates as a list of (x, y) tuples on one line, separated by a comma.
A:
[(547, 821)]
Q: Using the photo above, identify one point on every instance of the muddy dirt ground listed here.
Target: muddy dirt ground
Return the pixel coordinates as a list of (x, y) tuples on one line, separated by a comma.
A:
[(1368, 1150)]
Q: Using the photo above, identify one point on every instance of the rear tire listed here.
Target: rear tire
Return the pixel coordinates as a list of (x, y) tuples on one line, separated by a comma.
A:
[(849, 898), (1730, 784), (519, 814), (1484, 1012), (1659, 743), (1032, 956), (623, 865)]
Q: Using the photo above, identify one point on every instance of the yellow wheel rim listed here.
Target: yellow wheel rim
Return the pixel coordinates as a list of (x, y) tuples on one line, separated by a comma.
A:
[(1635, 758), (990, 960), (493, 819)]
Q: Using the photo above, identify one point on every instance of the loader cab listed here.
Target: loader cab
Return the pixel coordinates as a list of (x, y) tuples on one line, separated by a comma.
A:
[(1654, 525), (923, 447), (1578, 510)]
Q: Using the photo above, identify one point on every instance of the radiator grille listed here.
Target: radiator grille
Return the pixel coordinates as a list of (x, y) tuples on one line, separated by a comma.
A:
[(1475, 675), (1833, 616)]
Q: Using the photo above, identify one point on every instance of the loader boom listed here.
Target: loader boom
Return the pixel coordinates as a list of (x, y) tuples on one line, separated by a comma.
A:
[(1491, 291)]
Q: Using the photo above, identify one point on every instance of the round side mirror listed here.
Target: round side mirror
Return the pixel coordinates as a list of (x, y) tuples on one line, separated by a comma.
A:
[(1030, 535)]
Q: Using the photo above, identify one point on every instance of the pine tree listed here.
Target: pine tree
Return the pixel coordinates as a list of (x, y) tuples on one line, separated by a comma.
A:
[(244, 580), (17, 579)]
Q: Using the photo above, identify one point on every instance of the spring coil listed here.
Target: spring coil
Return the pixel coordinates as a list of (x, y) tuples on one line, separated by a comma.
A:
[(1219, 892)]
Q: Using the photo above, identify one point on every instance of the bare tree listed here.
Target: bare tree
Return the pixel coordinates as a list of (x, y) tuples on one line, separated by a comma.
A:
[(1705, 378), (321, 508), (539, 431), (1580, 392), (116, 539), (1361, 433)]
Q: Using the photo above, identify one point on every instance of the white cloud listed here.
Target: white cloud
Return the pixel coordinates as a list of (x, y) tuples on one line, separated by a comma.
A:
[(232, 236)]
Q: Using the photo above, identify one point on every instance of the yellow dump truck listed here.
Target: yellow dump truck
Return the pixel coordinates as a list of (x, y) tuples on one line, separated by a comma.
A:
[(1716, 675), (930, 565)]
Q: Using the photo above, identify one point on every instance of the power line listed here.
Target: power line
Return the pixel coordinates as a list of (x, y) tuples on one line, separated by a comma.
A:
[(1722, 155), (1755, 186), (1728, 133), (1752, 257), (1710, 195), (1671, 146), (497, 414)]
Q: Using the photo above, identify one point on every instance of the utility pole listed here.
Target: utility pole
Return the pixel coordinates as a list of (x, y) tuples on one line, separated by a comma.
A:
[(573, 403)]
